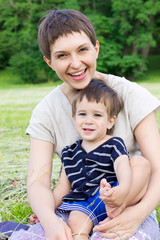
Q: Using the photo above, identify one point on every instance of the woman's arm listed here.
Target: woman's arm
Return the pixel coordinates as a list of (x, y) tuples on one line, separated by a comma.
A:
[(129, 220), (148, 138), (39, 177), (39, 189)]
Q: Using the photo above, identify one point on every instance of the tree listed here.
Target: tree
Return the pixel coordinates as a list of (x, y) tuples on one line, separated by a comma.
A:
[(126, 30)]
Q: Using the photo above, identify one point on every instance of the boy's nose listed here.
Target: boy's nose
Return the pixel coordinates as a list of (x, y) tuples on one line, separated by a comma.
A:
[(88, 120)]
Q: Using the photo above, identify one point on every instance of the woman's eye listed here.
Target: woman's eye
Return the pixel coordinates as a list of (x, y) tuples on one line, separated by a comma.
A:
[(83, 49), (61, 55)]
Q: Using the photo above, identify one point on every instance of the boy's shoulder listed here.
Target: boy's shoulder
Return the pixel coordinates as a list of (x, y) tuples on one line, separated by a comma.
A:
[(71, 149), (113, 140)]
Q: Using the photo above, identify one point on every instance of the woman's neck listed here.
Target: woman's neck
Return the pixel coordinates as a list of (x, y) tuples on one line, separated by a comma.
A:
[(68, 91)]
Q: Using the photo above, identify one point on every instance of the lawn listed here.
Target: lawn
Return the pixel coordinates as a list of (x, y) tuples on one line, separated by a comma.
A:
[(15, 110), (16, 105)]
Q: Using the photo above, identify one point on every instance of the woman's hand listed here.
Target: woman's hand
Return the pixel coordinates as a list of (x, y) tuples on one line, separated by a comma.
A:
[(58, 230), (124, 225)]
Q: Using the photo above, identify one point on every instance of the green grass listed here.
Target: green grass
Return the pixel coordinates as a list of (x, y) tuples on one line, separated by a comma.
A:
[(16, 106)]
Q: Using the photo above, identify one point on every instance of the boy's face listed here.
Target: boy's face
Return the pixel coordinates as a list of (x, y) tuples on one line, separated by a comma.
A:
[(91, 120), (73, 58)]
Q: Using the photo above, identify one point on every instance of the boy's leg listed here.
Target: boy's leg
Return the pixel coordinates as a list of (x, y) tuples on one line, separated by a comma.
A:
[(80, 224), (140, 178), (140, 168)]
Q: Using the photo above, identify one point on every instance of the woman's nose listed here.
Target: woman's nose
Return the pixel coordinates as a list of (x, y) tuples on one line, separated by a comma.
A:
[(75, 61)]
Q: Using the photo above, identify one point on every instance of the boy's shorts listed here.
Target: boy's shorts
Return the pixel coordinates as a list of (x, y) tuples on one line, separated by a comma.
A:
[(93, 207)]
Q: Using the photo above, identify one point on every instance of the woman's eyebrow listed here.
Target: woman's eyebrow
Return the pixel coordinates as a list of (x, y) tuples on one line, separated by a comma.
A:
[(64, 51)]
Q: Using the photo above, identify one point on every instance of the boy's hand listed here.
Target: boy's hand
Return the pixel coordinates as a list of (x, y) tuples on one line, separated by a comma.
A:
[(113, 198), (33, 219)]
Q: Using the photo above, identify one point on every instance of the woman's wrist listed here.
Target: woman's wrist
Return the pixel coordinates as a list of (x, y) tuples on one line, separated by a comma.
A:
[(139, 212), (48, 217)]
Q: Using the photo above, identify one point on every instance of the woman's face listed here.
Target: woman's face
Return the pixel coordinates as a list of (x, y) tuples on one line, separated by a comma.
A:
[(73, 58)]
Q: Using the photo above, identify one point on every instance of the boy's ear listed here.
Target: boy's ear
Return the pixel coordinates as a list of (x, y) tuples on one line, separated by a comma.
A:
[(111, 122), (48, 62), (73, 117)]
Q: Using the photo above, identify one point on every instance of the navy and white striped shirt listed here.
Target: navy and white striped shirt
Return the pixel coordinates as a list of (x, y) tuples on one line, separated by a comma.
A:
[(85, 170)]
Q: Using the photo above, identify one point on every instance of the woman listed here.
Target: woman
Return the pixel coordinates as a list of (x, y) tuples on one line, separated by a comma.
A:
[(68, 42)]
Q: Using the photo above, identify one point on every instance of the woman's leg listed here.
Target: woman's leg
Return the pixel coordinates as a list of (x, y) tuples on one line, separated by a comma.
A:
[(149, 230), (36, 231)]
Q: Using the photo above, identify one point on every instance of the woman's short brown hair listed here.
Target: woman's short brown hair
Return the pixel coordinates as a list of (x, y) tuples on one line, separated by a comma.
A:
[(62, 22)]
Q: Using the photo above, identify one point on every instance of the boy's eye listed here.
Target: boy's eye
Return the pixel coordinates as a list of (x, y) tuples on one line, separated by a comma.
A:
[(97, 115), (82, 114)]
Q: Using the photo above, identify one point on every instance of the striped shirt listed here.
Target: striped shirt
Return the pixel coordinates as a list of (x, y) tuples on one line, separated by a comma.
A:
[(85, 170)]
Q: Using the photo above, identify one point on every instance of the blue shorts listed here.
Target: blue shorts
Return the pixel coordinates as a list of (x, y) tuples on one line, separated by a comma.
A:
[(93, 207)]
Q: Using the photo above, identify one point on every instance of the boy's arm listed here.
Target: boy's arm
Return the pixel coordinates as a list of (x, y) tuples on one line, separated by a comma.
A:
[(62, 188), (123, 172), (114, 197)]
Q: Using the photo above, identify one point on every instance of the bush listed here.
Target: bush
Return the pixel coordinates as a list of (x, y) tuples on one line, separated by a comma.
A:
[(26, 66)]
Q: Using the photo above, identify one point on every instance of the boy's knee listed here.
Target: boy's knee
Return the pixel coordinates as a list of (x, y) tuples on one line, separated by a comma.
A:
[(140, 163), (73, 218)]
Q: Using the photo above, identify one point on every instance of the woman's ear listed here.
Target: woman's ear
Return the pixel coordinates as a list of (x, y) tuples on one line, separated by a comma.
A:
[(49, 62), (111, 122), (97, 48)]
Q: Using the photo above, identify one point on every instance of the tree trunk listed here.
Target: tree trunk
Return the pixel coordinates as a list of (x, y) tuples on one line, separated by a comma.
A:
[(145, 51)]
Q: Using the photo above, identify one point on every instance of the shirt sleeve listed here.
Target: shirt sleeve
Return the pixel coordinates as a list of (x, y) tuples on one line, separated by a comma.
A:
[(41, 126), (118, 148), (140, 104)]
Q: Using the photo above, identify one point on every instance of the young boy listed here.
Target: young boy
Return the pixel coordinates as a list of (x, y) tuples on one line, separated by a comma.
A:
[(96, 162)]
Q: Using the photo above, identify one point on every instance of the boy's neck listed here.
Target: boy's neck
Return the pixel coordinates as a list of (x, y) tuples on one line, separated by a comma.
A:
[(89, 146)]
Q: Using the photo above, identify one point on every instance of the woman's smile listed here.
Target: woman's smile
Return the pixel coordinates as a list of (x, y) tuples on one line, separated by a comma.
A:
[(79, 75), (73, 58)]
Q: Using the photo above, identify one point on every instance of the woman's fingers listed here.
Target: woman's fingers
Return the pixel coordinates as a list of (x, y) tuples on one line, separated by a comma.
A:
[(125, 224)]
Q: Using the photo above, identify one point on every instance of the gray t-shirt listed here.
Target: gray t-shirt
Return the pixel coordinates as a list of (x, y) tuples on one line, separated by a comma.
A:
[(52, 118)]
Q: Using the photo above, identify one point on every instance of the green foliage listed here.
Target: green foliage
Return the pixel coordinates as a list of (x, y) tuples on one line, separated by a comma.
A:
[(126, 30), (26, 66)]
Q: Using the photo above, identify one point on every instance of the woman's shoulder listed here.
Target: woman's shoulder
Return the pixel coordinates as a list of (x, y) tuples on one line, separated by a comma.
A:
[(116, 82), (53, 100)]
